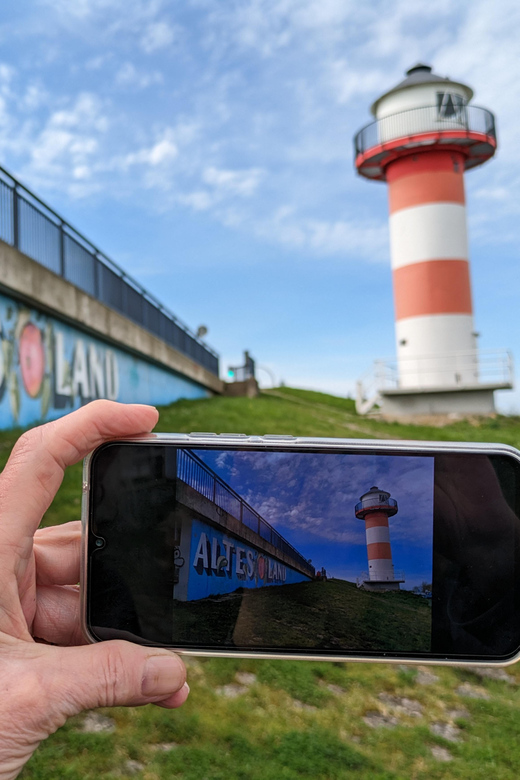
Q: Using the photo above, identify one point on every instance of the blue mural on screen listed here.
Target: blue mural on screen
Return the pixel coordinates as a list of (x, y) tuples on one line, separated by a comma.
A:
[(48, 368), (219, 563)]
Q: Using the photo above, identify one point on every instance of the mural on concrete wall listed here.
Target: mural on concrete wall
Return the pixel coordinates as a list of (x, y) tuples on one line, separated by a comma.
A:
[(48, 368), (219, 563)]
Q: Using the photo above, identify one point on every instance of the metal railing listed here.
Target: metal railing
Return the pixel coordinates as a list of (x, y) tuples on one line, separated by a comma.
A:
[(457, 370), (245, 372), (193, 472), (423, 120), (29, 225), (391, 502), (470, 368)]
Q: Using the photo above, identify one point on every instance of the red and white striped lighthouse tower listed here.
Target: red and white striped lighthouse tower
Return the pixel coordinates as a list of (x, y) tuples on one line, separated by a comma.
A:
[(375, 507), (425, 136)]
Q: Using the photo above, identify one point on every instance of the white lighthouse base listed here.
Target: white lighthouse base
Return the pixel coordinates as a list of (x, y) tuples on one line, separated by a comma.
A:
[(379, 585), (409, 402), (398, 392)]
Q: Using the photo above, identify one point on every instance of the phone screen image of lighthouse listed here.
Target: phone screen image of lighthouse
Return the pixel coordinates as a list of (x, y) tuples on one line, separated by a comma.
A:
[(304, 551)]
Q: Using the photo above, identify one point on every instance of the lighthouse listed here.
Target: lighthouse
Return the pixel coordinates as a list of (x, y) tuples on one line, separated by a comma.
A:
[(375, 507), (426, 134)]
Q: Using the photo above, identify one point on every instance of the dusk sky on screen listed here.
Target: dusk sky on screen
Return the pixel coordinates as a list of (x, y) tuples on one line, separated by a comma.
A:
[(309, 498), (206, 147)]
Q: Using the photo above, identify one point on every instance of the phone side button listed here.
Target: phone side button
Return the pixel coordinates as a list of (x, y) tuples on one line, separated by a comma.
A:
[(202, 433), (278, 437)]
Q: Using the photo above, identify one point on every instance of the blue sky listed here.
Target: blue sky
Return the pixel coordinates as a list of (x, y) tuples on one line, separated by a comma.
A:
[(206, 146), (310, 498)]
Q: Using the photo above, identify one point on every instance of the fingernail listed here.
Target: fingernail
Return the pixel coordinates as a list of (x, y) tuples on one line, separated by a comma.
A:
[(163, 675)]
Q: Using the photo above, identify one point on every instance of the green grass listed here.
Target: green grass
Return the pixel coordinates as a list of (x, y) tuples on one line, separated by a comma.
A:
[(297, 719)]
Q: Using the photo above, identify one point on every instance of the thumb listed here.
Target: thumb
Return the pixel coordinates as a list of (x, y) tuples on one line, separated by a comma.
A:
[(112, 674)]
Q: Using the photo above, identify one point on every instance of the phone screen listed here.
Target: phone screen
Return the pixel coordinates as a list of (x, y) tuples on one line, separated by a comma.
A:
[(305, 551)]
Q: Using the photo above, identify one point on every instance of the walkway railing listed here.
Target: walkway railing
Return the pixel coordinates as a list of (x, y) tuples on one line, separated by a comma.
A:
[(470, 368), (469, 119), (375, 506), (194, 472), (464, 370), (29, 225)]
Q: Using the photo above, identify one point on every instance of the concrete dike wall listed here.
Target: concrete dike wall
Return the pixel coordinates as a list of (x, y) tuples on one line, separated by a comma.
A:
[(61, 348), (219, 550)]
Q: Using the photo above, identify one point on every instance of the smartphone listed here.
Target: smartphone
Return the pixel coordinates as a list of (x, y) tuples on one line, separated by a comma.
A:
[(275, 546)]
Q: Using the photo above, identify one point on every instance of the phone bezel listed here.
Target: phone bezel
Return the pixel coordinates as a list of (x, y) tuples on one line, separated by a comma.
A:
[(290, 443)]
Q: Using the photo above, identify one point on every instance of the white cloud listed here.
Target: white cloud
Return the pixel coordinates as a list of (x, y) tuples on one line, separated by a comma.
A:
[(96, 63), (198, 201), (222, 187), (34, 97), (163, 151), (82, 9), (7, 73), (157, 36), (360, 239), (347, 82), (85, 112), (233, 182), (89, 9), (129, 76), (267, 26), (69, 139)]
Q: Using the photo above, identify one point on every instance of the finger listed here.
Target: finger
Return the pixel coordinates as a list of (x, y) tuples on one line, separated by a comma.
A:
[(57, 552), (109, 674), (35, 468), (57, 616), (177, 700)]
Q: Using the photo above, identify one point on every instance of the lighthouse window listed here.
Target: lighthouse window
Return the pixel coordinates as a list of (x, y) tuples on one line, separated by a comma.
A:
[(449, 105)]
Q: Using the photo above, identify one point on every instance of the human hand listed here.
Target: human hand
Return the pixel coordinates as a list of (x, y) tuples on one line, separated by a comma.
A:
[(44, 684)]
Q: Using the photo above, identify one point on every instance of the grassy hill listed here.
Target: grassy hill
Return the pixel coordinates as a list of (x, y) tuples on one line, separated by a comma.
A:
[(284, 720), (333, 615)]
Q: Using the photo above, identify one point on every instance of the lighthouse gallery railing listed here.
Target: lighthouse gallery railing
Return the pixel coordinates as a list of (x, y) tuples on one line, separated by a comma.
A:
[(471, 119), (31, 226), (375, 507)]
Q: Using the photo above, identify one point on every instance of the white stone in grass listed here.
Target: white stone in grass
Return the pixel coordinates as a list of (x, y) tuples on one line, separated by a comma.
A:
[(402, 704), (447, 731), (131, 767), (441, 754), (425, 677), (96, 723), (245, 678), (335, 689), (472, 691), (493, 673), (300, 705), (375, 720), (459, 714), (231, 691), (164, 747)]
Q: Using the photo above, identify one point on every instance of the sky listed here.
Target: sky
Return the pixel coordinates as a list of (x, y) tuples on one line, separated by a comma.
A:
[(309, 498), (206, 147)]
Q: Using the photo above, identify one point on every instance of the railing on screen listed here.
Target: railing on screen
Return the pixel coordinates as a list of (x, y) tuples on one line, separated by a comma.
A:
[(193, 472)]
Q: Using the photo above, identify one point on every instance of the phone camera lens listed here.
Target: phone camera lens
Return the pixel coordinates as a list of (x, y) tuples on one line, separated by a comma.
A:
[(100, 543)]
